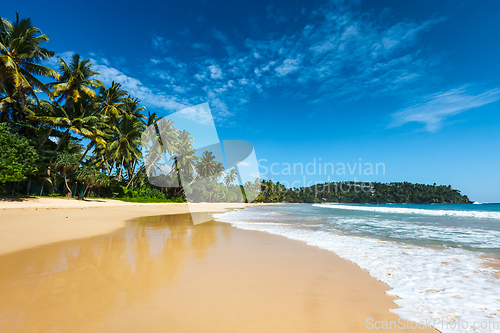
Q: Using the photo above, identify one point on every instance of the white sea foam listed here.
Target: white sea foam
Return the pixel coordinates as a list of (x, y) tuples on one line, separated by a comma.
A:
[(401, 229), (400, 210), (449, 284)]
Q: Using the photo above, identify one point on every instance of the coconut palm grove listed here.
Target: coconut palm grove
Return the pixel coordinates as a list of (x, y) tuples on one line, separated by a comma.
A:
[(64, 133)]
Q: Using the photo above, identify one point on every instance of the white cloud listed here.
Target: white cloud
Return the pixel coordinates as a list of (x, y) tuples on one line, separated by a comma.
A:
[(199, 114), (54, 61), (436, 108), (288, 66), (138, 90), (215, 72)]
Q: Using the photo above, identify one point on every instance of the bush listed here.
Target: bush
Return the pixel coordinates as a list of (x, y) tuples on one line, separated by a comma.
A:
[(17, 158)]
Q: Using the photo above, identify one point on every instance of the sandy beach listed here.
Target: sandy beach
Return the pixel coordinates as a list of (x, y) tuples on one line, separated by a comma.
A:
[(33, 222), (87, 267)]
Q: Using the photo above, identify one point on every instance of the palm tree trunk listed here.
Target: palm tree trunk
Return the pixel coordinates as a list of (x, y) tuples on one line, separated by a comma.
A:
[(121, 167), (59, 144), (14, 187), (61, 98), (28, 187), (69, 194), (133, 176), (111, 166), (130, 170), (108, 170), (45, 140), (86, 151), (82, 196)]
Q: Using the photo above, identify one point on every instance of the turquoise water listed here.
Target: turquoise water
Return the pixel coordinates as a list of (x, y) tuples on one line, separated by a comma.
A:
[(442, 260), (468, 226)]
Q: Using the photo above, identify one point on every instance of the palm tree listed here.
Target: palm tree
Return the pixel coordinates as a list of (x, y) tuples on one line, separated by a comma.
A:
[(81, 119), (230, 177), (171, 138), (97, 137), (66, 163), (112, 99), (151, 119), (48, 113), (208, 167), (20, 55), (184, 154), (131, 107), (76, 81), (91, 177), (124, 146)]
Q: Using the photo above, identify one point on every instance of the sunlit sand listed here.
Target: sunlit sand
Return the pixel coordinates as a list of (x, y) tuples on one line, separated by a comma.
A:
[(163, 274)]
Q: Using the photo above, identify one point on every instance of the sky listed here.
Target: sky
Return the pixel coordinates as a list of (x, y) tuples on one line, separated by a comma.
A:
[(411, 85)]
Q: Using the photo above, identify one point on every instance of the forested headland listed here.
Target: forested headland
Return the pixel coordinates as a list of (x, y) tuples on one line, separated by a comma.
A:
[(356, 192)]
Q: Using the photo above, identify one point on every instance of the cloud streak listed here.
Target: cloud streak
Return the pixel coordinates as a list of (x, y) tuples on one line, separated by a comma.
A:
[(436, 108)]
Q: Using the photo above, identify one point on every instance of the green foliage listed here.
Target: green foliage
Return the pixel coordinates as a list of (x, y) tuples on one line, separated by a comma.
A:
[(158, 200), (66, 162), (91, 177), (17, 158), (21, 52), (351, 192)]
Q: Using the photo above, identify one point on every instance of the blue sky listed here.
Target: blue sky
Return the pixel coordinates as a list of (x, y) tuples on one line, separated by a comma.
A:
[(411, 84)]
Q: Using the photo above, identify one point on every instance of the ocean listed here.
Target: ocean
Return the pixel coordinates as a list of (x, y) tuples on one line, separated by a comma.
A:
[(441, 260)]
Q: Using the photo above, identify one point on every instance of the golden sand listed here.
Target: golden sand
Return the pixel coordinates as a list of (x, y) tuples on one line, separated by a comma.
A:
[(34, 222), (164, 274)]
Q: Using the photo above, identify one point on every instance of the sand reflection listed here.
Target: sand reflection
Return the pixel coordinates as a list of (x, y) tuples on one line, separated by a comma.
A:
[(62, 286)]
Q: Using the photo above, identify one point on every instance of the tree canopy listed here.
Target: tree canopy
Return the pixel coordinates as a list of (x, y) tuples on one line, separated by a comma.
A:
[(17, 157)]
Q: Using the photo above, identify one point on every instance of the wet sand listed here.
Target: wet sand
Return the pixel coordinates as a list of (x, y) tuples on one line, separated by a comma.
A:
[(164, 274), (34, 222)]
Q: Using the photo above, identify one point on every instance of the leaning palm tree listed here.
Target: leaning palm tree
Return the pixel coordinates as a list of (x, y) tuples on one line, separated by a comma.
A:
[(76, 82), (20, 56)]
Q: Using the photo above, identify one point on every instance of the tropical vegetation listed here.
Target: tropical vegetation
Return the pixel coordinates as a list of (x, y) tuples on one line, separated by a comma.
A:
[(64, 132)]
